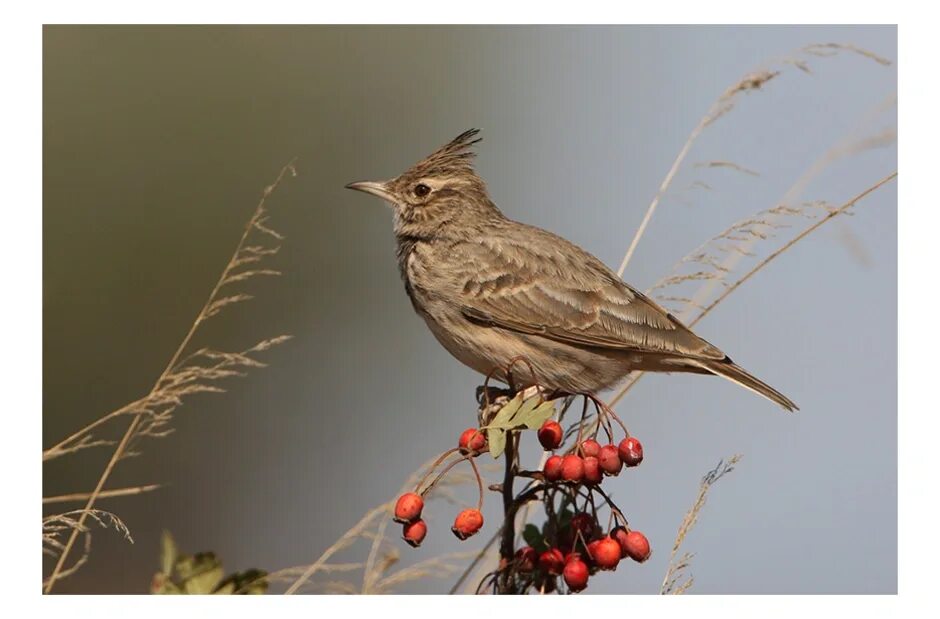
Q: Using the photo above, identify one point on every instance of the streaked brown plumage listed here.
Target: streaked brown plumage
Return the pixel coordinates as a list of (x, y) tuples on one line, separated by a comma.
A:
[(492, 289)]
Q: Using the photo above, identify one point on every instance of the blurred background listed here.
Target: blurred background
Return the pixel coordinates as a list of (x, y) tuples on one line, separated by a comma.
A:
[(158, 141)]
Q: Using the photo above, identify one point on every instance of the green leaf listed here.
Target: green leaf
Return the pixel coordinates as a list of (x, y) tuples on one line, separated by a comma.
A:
[(517, 414), (504, 417), (199, 573), (249, 582), (532, 535), (203, 582), (528, 406), (535, 418), (168, 553), (227, 588), (497, 441)]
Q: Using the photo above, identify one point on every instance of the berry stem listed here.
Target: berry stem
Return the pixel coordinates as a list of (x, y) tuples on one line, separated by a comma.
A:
[(476, 473), (443, 473), (436, 464)]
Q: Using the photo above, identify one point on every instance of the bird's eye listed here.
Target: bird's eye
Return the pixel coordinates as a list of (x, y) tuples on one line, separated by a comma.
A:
[(422, 190)]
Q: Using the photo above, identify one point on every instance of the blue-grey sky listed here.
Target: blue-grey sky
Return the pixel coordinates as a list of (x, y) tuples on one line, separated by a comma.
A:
[(158, 140)]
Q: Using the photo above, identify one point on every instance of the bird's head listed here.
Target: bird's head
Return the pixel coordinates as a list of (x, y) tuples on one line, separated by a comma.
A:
[(441, 188)]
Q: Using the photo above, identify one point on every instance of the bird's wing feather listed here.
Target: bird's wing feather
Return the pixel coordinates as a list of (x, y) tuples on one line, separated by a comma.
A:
[(549, 287)]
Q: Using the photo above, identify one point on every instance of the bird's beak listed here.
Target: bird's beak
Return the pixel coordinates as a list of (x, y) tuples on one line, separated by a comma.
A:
[(375, 188)]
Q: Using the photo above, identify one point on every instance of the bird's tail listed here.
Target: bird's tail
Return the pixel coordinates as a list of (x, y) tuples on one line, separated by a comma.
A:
[(736, 374)]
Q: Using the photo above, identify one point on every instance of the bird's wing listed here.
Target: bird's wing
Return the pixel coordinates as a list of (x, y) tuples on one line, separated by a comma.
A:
[(543, 285)]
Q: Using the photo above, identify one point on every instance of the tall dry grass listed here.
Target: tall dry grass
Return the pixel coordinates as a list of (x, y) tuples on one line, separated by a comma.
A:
[(187, 373)]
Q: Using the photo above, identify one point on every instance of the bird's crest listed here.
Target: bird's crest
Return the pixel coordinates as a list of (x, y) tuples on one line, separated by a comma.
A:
[(452, 159)]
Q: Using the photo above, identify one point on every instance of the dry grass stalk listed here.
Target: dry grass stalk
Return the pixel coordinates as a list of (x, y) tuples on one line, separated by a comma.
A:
[(671, 584), (182, 377), (74, 522), (725, 103), (104, 494), (729, 288), (383, 555)]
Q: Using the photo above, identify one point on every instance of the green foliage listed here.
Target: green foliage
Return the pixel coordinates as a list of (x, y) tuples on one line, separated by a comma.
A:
[(201, 574), (517, 414)]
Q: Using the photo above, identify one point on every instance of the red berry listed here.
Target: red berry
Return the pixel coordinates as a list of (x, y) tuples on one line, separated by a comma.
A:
[(609, 459), (607, 553), (637, 546), (584, 524), (571, 556), (414, 532), (631, 451), (526, 559), (552, 468), (550, 434), (552, 561), (468, 522), (472, 439), (572, 468), (576, 574), (620, 535), (590, 447), (592, 550), (408, 508), (593, 474)]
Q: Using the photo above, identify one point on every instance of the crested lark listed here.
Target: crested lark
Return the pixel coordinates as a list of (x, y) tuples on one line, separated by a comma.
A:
[(493, 290)]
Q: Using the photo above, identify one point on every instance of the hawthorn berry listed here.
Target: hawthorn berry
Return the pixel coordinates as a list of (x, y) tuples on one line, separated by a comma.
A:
[(619, 534), (606, 553), (631, 451), (593, 474), (592, 551), (552, 561), (414, 532), (590, 447), (609, 459), (472, 439), (572, 468), (468, 522), (572, 555), (408, 508), (584, 524), (550, 434), (552, 468), (637, 546), (526, 559), (576, 574)]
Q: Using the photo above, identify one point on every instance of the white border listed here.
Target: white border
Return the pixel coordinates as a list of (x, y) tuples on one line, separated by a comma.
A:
[(918, 238)]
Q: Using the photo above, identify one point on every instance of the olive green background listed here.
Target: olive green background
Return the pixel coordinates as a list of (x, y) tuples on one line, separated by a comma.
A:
[(158, 140)]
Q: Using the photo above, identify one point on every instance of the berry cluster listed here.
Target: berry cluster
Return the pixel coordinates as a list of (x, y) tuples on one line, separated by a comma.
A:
[(574, 551), (571, 544), (591, 461), (409, 506)]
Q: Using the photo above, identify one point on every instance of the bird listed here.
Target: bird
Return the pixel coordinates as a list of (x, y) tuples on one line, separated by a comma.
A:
[(493, 290)]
